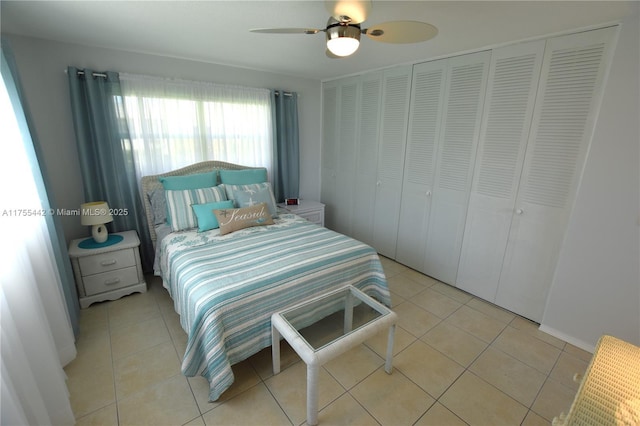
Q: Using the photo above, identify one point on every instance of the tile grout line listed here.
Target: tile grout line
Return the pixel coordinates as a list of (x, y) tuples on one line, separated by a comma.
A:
[(467, 368), (348, 391), (113, 365), (175, 348)]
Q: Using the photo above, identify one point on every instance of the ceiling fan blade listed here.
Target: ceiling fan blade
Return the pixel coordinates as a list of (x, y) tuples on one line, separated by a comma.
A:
[(286, 30), (401, 32), (356, 10)]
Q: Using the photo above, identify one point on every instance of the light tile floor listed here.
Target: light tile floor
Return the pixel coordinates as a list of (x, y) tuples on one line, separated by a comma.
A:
[(458, 360)]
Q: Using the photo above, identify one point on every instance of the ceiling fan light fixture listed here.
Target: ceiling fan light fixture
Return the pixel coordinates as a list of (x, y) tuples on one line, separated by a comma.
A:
[(343, 40)]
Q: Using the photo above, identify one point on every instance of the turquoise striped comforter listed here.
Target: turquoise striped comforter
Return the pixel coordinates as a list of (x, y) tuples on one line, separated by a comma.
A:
[(225, 288)]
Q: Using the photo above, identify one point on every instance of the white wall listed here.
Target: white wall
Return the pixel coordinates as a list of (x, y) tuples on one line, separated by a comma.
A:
[(41, 66), (596, 288)]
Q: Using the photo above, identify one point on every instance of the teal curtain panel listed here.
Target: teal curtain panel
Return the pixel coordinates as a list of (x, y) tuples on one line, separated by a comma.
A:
[(286, 141), (106, 153)]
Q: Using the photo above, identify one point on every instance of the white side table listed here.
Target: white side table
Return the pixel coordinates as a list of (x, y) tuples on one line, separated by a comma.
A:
[(357, 327), (107, 272), (313, 211)]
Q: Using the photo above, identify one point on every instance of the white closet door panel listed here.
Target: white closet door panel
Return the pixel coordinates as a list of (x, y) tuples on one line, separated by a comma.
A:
[(346, 161), (464, 95), (364, 195), (463, 108), (529, 261), (343, 201), (328, 196), (393, 132), (425, 114), (484, 245), (348, 125), (393, 126), (369, 112), (447, 219), (564, 121), (385, 224), (424, 122), (364, 200), (330, 111), (570, 90), (511, 95), (412, 229)]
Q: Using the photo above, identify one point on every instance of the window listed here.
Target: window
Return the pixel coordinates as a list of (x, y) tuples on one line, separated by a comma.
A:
[(175, 123)]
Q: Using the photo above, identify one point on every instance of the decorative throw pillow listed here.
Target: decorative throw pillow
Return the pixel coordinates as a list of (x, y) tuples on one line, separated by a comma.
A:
[(194, 181), (247, 198), (181, 215), (247, 195), (243, 177), (204, 214), (245, 217), (158, 203)]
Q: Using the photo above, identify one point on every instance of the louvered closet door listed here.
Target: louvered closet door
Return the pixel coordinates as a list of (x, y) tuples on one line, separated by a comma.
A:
[(364, 193), (330, 111), (396, 86), (346, 160), (569, 95), (427, 95), (511, 95), (467, 76)]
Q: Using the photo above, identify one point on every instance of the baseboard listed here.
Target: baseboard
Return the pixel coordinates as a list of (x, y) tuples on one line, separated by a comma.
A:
[(569, 339)]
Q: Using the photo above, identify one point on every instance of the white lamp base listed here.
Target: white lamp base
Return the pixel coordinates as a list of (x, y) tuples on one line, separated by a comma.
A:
[(99, 233)]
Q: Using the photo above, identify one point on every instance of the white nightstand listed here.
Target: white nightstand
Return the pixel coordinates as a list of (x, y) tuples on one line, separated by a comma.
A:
[(313, 211), (107, 273)]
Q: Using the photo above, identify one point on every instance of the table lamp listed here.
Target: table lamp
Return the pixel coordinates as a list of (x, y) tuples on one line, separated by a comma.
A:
[(96, 214)]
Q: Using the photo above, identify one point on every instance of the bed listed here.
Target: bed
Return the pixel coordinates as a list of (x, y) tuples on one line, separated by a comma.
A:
[(225, 285)]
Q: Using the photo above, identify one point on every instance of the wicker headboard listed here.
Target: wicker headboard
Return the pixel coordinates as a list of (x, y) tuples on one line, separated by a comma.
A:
[(150, 183)]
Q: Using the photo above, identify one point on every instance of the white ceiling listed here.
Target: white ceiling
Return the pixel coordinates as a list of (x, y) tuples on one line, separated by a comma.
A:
[(218, 31)]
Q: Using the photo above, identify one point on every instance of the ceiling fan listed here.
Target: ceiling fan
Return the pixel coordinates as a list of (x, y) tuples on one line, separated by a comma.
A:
[(344, 28)]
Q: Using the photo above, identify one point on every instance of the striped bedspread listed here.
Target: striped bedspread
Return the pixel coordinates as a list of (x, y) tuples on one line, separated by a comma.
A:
[(225, 288)]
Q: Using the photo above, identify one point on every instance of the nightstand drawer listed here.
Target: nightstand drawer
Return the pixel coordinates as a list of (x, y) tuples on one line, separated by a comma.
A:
[(314, 217), (110, 280), (104, 262)]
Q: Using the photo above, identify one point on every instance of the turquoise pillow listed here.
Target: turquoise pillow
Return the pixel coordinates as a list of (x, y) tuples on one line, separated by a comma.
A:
[(243, 177), (204, 214), (196, 181)]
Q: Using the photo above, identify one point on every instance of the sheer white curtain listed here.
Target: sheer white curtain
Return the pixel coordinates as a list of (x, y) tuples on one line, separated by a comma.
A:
[(37, 338), (175, 123)]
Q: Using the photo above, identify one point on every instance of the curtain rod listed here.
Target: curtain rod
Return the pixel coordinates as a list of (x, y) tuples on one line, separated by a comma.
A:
[(95, 74)]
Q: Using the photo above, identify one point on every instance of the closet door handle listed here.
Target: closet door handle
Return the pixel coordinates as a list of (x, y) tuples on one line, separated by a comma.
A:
[(519, 211), (428, 194), (378, 183)]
